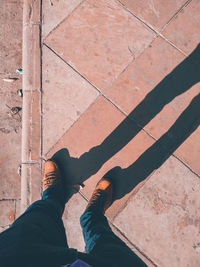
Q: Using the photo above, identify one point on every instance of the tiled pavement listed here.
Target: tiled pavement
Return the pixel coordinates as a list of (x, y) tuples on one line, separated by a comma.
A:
[(120, 87)]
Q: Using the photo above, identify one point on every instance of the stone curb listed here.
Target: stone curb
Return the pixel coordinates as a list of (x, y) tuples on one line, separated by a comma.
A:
[(31, 115)]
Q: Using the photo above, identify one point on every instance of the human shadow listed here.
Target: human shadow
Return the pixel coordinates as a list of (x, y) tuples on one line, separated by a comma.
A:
[(181, 79)]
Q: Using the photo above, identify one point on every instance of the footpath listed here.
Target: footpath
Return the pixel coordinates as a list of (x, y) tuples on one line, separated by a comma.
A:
[(116, 83)]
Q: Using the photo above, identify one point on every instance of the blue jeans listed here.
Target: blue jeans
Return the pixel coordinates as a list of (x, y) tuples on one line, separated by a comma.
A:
[(37, 238)]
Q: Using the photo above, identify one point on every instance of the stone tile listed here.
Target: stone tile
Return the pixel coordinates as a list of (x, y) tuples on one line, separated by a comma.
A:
[(71, 218), (17, 208), (31, 184), (7, 212), (100, 39), (53, 12), (9, 163), (31, 57), (184, 29), (157, 13), (162, 219), (131, 246), (100, 140), (31, 141), (189, 151), (66, 95), (145, 95)]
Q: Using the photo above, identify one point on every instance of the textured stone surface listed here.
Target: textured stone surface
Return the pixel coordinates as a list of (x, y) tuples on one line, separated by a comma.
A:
[(131, 246), (134, 84), (100, 39), (105, 142), (184, 29), (31, 57), (31, 13), (54, 12), (31, 184), (155, 12), (7, 212), (31, 122), (189, 151), (158, 197), (159, 99), (66, 96), (74, 209), (163, 218), (9, 163)]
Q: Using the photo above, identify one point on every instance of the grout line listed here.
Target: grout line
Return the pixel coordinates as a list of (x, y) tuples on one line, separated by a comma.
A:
[(82, 1), (32, 24), (52, 147), (111, 101), (72, 67), (32, 162), (159, 34), (132, 244), (186, 165), (83, 196), (176, 13)]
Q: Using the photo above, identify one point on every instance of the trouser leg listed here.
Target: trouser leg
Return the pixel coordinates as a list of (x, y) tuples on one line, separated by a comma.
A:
[(103, 244), (37, 238)]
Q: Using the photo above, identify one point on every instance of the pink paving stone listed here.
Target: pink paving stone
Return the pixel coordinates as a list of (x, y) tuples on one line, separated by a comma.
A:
[(9, 163), (92, 145), (31, 122), (71, 218), (100, 39), (184, 29), (18, 208), (66, 95), (149, 74), (54, 12), (31, 184), (130, 245), (189, 151), (162, 219), (155, 12), (7, 212)]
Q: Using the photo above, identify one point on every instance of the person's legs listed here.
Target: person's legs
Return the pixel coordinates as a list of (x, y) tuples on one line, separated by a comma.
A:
[(38, 238), (101, 242)]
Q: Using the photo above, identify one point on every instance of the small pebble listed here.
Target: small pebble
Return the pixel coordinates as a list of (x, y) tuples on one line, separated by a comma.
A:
[(19, 71), (10, 80), (20, 92)]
